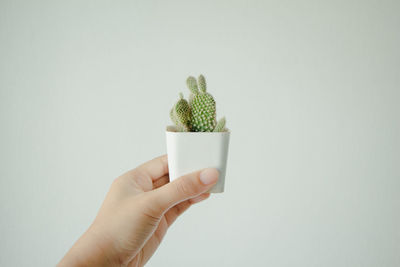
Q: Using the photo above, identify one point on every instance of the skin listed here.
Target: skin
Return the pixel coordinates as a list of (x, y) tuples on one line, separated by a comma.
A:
[(138, 210)]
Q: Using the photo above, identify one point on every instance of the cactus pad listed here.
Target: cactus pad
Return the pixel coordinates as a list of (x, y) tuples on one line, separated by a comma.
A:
[(192, 85), (180, 114), (202, 83), (203, 113), (220, 127)]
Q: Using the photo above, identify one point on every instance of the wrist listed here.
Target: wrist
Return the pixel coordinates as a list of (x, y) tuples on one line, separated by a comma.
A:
[(90, 250)]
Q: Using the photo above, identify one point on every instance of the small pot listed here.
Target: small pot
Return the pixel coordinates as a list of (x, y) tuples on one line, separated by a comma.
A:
[(192, 151)]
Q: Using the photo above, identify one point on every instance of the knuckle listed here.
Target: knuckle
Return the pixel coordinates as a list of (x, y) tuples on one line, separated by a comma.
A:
[(149, 209)]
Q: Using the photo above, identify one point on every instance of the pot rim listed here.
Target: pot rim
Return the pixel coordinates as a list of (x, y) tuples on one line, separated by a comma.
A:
[(170, 129)]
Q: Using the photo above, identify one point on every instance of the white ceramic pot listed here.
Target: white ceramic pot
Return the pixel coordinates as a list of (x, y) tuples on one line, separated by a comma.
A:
[(192, 151)]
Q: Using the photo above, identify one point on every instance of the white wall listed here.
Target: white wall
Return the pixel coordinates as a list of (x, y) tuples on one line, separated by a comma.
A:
[(310, 90)]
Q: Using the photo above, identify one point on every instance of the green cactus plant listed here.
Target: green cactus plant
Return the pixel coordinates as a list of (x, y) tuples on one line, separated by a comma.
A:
[(180, 114), (199, 114), (220, 125)]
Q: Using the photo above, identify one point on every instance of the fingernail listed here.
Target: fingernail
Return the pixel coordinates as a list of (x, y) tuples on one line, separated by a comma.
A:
[(209, 176)]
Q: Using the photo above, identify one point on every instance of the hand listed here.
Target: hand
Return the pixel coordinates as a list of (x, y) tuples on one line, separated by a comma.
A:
[(136, 213)]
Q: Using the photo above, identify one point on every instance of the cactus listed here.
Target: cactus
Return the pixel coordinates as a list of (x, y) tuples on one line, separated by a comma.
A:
[(180, 114), (203, 111), (202, 83), (220, 127), (199, 114)]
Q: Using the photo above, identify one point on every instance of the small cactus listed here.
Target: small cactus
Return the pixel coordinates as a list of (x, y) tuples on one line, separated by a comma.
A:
[(202, 83), (220, 127), (199, 114), (180, 114)]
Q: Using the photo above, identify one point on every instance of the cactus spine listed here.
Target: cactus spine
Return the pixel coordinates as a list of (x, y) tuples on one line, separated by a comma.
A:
[(199, 114)]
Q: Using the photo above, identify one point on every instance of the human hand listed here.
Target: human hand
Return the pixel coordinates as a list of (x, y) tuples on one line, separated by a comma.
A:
[(136, 213)]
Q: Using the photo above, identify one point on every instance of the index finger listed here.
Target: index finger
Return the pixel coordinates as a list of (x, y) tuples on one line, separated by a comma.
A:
[(155, 168)]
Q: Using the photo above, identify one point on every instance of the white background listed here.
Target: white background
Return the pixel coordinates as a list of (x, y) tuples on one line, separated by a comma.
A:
[(310, 90)]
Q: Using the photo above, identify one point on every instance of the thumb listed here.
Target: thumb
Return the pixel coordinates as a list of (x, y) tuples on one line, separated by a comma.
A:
[(181, 189)]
